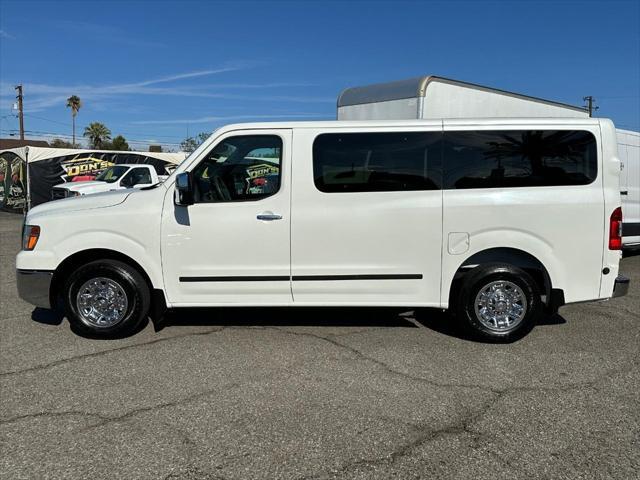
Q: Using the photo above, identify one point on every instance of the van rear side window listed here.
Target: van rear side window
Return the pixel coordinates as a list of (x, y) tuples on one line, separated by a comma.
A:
[(518, 158), (377, 162), (404, 161)]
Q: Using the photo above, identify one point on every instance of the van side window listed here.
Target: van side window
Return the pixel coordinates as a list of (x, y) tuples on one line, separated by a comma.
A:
[(377, 162), (239, 169), (529, 158)]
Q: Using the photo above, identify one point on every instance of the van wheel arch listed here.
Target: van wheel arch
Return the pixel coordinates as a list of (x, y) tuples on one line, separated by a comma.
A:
[(554, 298), (72, 262)]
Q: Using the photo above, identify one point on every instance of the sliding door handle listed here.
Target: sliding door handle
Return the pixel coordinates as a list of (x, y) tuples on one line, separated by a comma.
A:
[(268, 216)]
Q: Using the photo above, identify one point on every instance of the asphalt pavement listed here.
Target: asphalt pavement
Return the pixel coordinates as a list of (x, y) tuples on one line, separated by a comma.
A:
[(318, 393)]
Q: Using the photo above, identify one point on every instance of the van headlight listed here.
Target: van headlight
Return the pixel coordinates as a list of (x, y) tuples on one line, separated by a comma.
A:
[(30, 236)]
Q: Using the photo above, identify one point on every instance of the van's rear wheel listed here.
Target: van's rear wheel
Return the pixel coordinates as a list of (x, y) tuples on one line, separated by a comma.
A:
[(106, 298), (499, 302)]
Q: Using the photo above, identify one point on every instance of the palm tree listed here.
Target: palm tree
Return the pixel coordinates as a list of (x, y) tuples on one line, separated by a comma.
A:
[(535, 146), (97, 133), (74, 103)]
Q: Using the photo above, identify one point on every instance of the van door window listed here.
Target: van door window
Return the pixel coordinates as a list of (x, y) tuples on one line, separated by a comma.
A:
[(529, 158), (239, 169), (377, 162)]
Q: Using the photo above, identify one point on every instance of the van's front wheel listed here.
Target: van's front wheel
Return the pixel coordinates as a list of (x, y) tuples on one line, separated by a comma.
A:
[(106, 298), (499, 302)]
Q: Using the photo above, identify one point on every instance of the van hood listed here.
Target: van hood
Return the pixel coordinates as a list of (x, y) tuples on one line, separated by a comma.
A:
[(88, 202), (88, 185)]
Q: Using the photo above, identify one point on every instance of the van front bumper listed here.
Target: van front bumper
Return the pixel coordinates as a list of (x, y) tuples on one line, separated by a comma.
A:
[(621, 286), (34, 286)]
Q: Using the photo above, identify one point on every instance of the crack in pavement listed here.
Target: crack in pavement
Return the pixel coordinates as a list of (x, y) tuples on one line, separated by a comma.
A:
[(64, 413), (568, 387), (463, 425), (164, 339), (424, 436), (192, 472), (359, 332), (62, 361), (425, 433), (175, 403), (106, 419)]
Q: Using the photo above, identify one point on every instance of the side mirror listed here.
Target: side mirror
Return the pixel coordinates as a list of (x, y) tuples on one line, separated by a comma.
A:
[(183, 195), (126, 182)]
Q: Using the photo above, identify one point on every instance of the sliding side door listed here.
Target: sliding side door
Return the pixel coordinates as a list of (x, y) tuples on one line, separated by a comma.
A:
[(367, 216)]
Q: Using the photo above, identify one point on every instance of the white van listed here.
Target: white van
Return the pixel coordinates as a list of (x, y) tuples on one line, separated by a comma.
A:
[(497, 220), (629, 153)]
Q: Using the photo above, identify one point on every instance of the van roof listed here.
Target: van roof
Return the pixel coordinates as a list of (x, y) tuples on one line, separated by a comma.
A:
[(411, 123)]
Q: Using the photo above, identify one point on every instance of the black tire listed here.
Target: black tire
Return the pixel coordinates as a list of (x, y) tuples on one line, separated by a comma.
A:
[(481, 277), (131, 283)]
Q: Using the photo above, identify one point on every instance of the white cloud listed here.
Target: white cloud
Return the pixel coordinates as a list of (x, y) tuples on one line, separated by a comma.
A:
[(121, 88), (40, 96), (181, 76), (4, 34)]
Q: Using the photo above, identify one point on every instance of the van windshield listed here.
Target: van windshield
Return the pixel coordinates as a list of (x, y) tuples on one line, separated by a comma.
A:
[(112, 174)]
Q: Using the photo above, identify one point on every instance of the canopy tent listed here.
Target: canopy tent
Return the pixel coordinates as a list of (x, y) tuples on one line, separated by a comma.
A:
[(37, 154), (27, 174)]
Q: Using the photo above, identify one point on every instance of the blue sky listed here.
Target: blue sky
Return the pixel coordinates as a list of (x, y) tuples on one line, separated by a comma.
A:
[(155, 70)]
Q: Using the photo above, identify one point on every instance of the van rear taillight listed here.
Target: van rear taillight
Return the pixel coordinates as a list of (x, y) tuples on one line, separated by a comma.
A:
[(615, 230)]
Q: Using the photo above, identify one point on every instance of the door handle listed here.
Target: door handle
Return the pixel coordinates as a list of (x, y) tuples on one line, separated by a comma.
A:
[(624, 192), (268, 216)]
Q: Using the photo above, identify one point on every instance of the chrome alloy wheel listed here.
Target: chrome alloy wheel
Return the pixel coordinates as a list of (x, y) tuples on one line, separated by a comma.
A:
[(101, 302), (500, 305)]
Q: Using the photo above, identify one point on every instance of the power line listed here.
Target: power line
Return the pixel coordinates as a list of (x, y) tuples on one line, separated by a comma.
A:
[(620, 96), (124, 133), (46, 119), (66, 135)]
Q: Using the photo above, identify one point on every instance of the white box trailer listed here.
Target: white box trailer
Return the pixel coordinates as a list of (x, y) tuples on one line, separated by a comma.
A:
[(437, 97), (433, 97)]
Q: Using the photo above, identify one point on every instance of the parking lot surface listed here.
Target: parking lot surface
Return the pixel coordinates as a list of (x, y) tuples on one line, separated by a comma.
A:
[(318, 393)]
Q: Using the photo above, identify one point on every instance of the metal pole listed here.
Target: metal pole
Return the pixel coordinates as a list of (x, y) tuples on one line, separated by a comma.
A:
[(28, 180), (590, 104), (20, 111)]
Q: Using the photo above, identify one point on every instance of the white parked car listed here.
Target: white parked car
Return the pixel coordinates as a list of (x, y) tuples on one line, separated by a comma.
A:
[(497, 220), (116, 177)]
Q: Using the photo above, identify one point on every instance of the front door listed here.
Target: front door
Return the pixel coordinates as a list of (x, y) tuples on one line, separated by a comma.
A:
[(232, 245)]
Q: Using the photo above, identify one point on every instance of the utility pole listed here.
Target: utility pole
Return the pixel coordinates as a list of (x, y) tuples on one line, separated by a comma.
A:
[(590, 104), (20, 111)]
